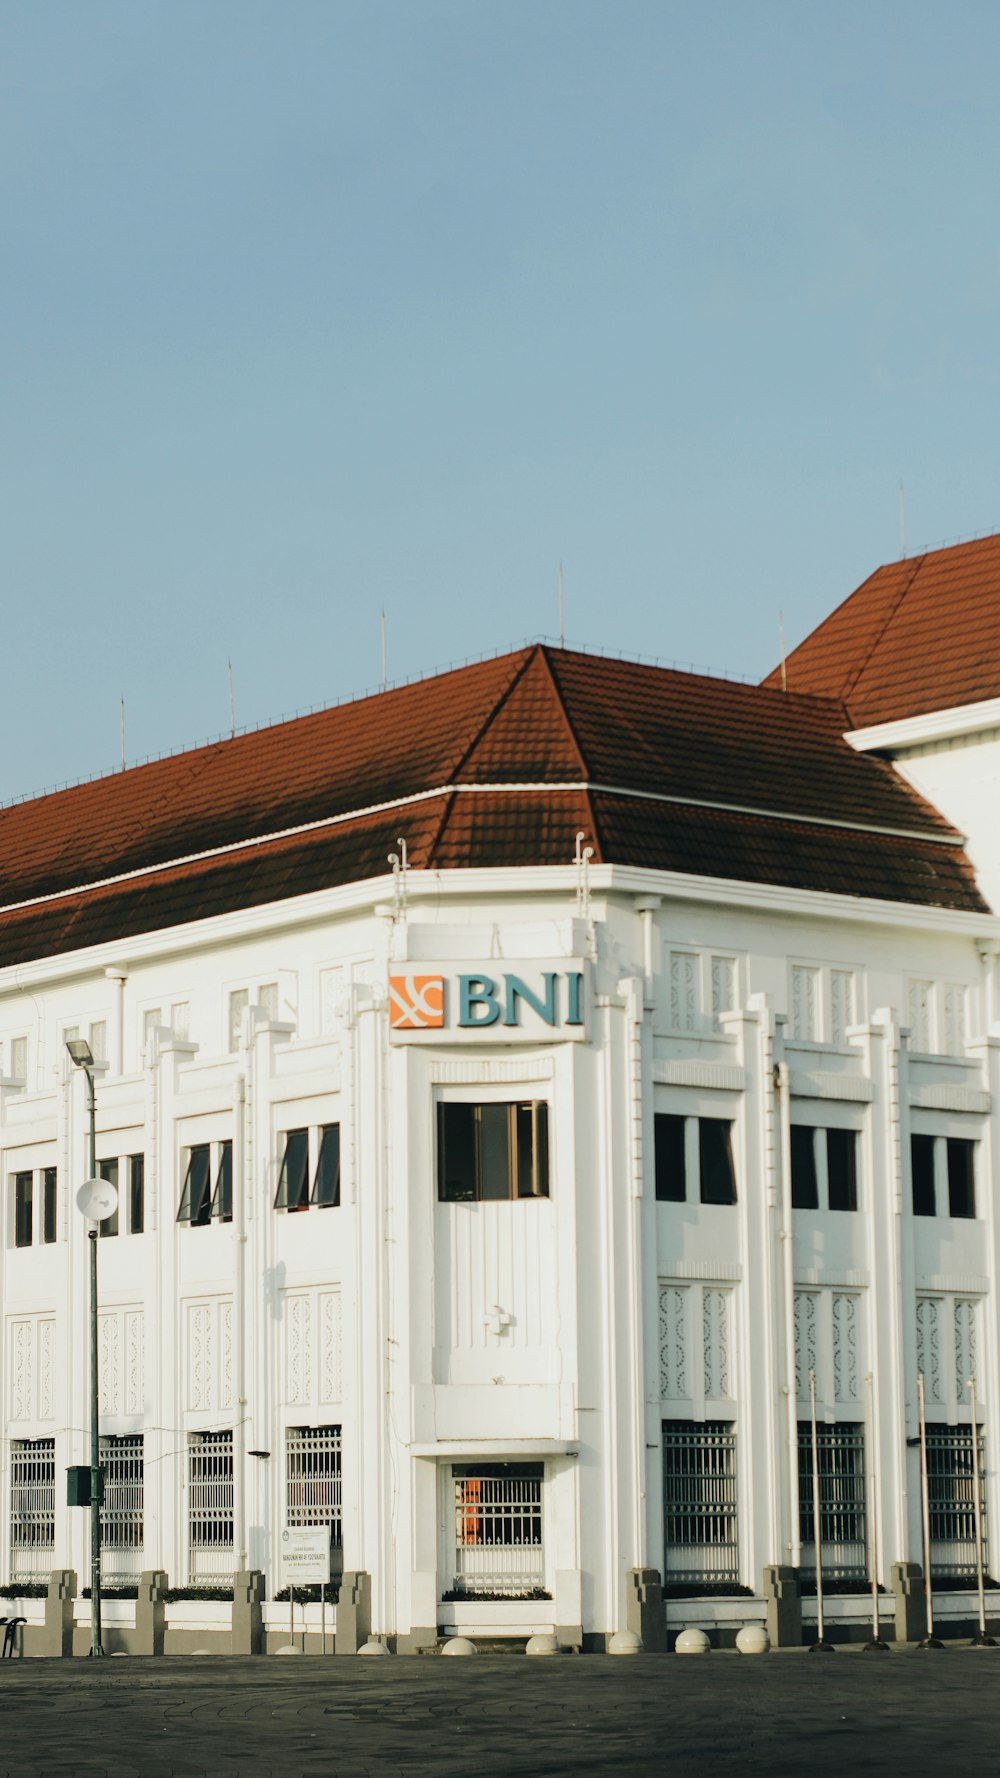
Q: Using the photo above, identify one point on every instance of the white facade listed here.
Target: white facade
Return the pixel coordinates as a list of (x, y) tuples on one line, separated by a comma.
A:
[(556, 1333)]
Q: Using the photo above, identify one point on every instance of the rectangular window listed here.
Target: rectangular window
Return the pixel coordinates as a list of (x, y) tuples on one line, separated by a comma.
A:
[(841, 1170), (951, 1500), (196, 1196), (137, 1193), (922, 1170), (805, 1184), (293, 1180), (239, 1000), (222, 1195), (699, 1503), (50, 1185), (210, 1507), (492, 1151), (961, 1177), (498, 1531), (841, 1463), (668, 1157), (122, 1510), (715, 1157), (23, 1183), (313, 1488), (109, 1170), (326, 1179), (32, 1508)]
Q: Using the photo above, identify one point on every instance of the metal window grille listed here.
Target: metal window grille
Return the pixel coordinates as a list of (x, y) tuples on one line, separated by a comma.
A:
[(840, 1451), (32, 1508), (951, 1499), (313, 1479), (122, 1509), (210, 1506), (498, 1529), (699, 1502)]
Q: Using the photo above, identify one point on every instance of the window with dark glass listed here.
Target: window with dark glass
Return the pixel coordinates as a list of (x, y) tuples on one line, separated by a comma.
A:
[(805, 1183), (668, 1157), (293, 1180), (22, 1209), (196, 1196), (492, 1152), (326, 1179), (841, 1170), (715, 1156), (50, 1183), (922, 1170), (109, 1170), (222, 1195), (961, 1177), (137, 1193)]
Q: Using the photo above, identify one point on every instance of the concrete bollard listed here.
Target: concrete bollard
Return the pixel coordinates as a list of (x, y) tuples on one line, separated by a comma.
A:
[(783, 1602), (57, 1635), (248, 1613), (354, 1613), (645, 1611), (150, 1612), (907, 1582)]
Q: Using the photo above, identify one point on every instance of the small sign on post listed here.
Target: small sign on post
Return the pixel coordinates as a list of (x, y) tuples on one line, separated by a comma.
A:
[(304, 1557)]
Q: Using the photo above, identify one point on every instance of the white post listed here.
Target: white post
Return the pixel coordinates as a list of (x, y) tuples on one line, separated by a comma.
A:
[(982, 1640), (930, 1640), (821, 1641)]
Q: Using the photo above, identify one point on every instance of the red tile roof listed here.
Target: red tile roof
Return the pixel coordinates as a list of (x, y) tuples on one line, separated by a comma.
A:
[(659, 768), (919, 635)]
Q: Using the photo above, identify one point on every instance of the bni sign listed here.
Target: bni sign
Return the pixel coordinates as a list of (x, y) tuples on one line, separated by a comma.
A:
[(497, 1002)]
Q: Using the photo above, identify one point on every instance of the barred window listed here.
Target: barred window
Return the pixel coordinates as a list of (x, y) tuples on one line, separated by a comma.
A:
[(951, 1497), (122, 1509), (32, 1507), (699, 1502), (840, 1450), (313, 1482), (498, 1530), (210, 1506)]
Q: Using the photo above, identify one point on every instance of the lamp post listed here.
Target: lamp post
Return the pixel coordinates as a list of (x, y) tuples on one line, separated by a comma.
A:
[(97, 1199)]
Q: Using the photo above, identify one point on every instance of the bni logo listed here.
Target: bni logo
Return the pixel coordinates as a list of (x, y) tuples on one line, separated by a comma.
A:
[(416, 1002)]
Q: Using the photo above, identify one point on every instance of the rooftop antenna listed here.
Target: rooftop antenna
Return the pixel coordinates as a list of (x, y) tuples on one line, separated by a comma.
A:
[(781, 646), (384, 655), (562, 609), (400, 865), (121, 727), (902, 524), (232, 703)]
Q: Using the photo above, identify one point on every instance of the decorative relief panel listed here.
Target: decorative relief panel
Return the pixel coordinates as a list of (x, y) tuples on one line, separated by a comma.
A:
[(683, 991), (312, 1348), (674, 1302), (330, 1386), (929, 1346), (209, 1368), (845, 1347), (828, 1325), (842, 1012), (695, 1337), (135, 1383), (31, 1344), (109, 1362), (965, 1346), (298, 1381), (805, 1002), (806, 1302), (715, 1320)]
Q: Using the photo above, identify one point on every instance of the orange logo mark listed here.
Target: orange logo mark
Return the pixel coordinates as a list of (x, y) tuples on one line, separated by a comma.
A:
[(416, 1002)]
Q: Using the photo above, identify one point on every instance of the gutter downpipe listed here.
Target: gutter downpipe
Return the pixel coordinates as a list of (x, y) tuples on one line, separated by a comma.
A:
[(783, 1095), (239, 1193)]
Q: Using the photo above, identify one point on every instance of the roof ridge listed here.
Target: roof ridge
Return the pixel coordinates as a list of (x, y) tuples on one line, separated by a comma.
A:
[(564, 711), (864, 662), (493, 712)]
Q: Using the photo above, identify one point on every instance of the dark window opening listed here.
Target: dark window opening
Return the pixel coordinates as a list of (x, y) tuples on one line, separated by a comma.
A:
[(50, 1182), (137, 1193), (222, 1196), (109, 1170), (326, 1179), (668, 1158), (196, 1197), (715, 1154), (842, 1169), (961, 1177), (922, 1169), (22, 1209), (293, 1180), (805, 1185), (493, 1151)]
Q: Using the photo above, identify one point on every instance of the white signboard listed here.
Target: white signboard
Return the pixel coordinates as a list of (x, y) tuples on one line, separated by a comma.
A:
[(500, 1001), (304, 1555)]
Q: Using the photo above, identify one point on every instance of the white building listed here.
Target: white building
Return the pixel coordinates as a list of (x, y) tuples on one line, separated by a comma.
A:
[(494, 1206)]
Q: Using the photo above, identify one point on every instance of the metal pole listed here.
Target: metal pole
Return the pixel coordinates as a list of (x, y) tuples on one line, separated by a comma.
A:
[(876, 1641), (930, 1640), (821, 1644), (982, 1640), (322, 1613), (96, 1647)]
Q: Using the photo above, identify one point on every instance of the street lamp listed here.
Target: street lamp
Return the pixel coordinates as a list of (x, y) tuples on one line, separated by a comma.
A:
[(97, 1199)]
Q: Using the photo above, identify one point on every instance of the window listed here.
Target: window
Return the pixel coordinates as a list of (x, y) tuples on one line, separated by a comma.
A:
[(293, 1180), (492, 1151), (207, 1195), (696, 1151), (32, 1508), (951, 1500), (23, 1183), (699, 1503), (824, 1168), (109, 1170), (122, 1509), (313, 1487), (939, 1160), (840, 1450), (136, 1193), (498, 1531), (326, 1179), (50, 1183), (210, 1507)]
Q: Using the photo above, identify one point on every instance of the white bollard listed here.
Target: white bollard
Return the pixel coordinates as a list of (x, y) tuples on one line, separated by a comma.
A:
[(692, 1642), (543, 1644), (624, 1642), (753, 1639), (373, 1647), (459, 1645)]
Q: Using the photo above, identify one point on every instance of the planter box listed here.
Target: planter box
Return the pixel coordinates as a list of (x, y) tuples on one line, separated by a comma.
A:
[(117, 1612), (32, 1609), (307, 1617), (199, 1614), (497, 1617)]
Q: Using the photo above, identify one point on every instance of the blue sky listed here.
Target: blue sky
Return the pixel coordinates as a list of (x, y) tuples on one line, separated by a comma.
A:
[(316, 307)]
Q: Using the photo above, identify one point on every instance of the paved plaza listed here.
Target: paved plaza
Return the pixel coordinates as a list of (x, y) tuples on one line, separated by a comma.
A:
[(494, 1716)]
